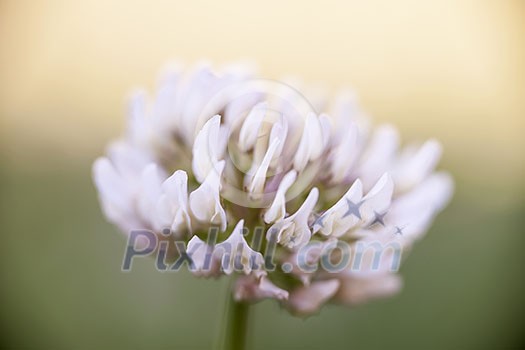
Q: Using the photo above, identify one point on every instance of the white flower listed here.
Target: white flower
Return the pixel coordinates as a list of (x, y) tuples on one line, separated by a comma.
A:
[(218, 155)]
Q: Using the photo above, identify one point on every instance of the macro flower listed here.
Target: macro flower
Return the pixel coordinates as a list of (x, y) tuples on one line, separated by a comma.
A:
[(298, 198)]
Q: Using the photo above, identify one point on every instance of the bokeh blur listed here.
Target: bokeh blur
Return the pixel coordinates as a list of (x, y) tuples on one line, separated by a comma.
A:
[(451, 69)]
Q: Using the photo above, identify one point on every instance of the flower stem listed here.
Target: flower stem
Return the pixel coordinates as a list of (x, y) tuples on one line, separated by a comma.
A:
[(235, 324)]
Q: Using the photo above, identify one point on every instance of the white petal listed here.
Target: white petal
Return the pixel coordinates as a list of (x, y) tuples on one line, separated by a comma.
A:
[(115, 196), (110, 184), (311, 253), (345, 154), (378, 252), (279, 132), (149, 195), (129, 160), (205, 200), (414, 168), (176, 187), (206, 149), (257, 181), (251, 126), (309, 299), (236, 108), (175, 201), (293, 231), (165, 114), (312, 142), (416, 209), (164, 214), (307, 207), (191, 99), (379, 156), (277, 210), (235, 250), (346, 106), (378, 199), (347, 109), (335, 221), (361, 289), (204, 262), (326, 127), (138, 125), (250, 288)]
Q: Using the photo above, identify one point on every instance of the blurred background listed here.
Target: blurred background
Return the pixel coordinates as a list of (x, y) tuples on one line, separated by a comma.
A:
[(454, 70)]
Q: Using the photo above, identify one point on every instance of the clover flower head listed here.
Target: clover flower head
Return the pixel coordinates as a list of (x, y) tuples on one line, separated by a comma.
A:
[(236, 166)]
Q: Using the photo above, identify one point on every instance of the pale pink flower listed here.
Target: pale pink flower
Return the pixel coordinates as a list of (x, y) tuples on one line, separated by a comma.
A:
[(232, 152)]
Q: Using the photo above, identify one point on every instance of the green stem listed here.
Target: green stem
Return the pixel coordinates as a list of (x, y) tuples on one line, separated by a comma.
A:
[(235, 324)]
